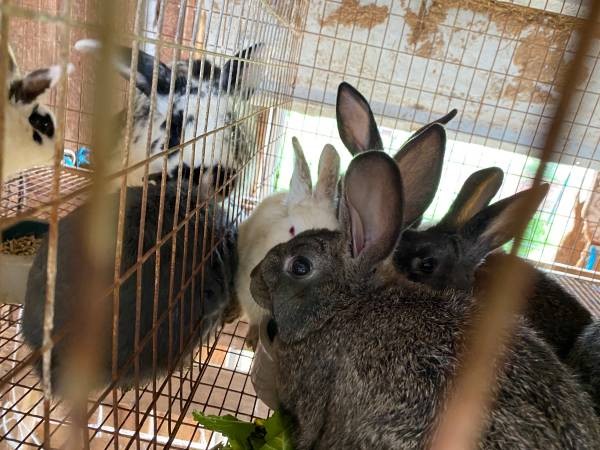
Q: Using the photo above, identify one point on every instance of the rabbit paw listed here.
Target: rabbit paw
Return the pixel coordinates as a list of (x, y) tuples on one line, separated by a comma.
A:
[(252, 337)]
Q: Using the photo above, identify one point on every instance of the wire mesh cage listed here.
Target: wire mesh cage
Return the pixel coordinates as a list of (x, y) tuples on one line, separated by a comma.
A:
[(158, 126), (205, 106)]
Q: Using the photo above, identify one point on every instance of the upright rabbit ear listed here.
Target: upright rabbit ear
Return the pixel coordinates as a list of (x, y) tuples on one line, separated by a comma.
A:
[(239, 76), (420, 163), (13, 67), (355, 121), (329, 172), (475, 194), (372, 215), (442, 121), (145, 67), (499, 223), (27, 89), (300, 184)]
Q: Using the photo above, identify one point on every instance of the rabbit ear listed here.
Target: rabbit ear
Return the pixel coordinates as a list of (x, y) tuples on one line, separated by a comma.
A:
[(420, 162), (442, 121), (499, 223), (300, 184), (27, 89), (475, 194), (202, 69), (355, 121), (145, 67), (372, 215), (329, 172), (13, 67), (241, 77)]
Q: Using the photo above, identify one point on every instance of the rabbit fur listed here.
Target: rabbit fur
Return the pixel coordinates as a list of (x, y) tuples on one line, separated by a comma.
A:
[(450, 254), (30, 126), (444, 256), (366, 359), (280, 217), (585, 360), (216, 98), (194, 313)]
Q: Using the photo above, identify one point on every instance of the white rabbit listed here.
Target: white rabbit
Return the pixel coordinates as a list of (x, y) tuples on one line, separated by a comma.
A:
[(280, 217), (213, 93), (30, 129)]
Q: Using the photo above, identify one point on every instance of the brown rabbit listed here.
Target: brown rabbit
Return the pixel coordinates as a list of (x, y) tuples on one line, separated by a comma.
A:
[(366, 360)]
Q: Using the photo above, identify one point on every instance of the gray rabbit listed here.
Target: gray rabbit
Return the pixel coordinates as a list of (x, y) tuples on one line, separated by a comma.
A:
[(366, 359), (585, 359), (193, 314), (450, 254)]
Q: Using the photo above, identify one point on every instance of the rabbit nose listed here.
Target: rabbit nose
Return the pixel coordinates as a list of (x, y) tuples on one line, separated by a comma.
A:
[(259, 289)]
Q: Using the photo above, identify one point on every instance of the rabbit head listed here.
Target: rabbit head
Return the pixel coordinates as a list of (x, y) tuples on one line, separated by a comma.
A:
[(297, 280), (421, 156), (215, 99), (30, 127), (448, 254), (281, 216)]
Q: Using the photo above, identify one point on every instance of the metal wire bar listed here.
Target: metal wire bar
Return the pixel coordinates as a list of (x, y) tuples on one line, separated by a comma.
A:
[(461, 424)]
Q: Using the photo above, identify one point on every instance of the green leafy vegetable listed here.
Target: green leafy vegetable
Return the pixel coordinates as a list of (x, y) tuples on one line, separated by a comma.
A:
[(270, 434)]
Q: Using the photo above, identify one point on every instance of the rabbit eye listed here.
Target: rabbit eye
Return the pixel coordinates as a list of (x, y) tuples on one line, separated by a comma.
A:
[(300, 267), (427, 265)]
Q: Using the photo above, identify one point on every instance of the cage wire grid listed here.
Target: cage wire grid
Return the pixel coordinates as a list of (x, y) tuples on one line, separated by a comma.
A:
[(158, 414), (413, 61)]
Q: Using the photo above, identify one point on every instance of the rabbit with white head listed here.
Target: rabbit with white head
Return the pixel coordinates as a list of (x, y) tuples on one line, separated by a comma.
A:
[(208, 104), (30, 127), (283, 215)]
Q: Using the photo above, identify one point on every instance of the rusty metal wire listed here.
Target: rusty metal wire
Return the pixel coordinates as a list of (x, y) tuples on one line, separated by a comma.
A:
[(308, 54), (156, 414), (460, 425)]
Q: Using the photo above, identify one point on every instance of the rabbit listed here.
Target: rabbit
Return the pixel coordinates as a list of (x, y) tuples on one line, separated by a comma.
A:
[(30, 127), (458, 252), (421, 157), (366, 360), (358, 131), (280, 217), (193, 315), (215, 89), (584, 358)]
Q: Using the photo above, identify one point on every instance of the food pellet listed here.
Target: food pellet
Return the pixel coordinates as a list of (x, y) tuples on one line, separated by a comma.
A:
[(23, 246)]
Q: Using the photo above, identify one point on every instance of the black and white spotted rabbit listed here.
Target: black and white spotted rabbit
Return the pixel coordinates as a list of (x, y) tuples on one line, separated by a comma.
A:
[(212, 100), (366, 360), (30, 127)]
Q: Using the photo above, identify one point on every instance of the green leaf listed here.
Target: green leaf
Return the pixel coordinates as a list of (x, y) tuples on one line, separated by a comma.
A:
[(278, 433), (237, 431), (270, 434)]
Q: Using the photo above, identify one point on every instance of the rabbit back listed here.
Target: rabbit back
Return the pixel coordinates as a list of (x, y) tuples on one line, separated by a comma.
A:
[(192, 315), (585, 360), (377, 375), (555, 314)]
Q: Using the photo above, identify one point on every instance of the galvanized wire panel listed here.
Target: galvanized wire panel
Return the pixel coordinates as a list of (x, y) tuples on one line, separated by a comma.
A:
[(191, 152), (500, 64)]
